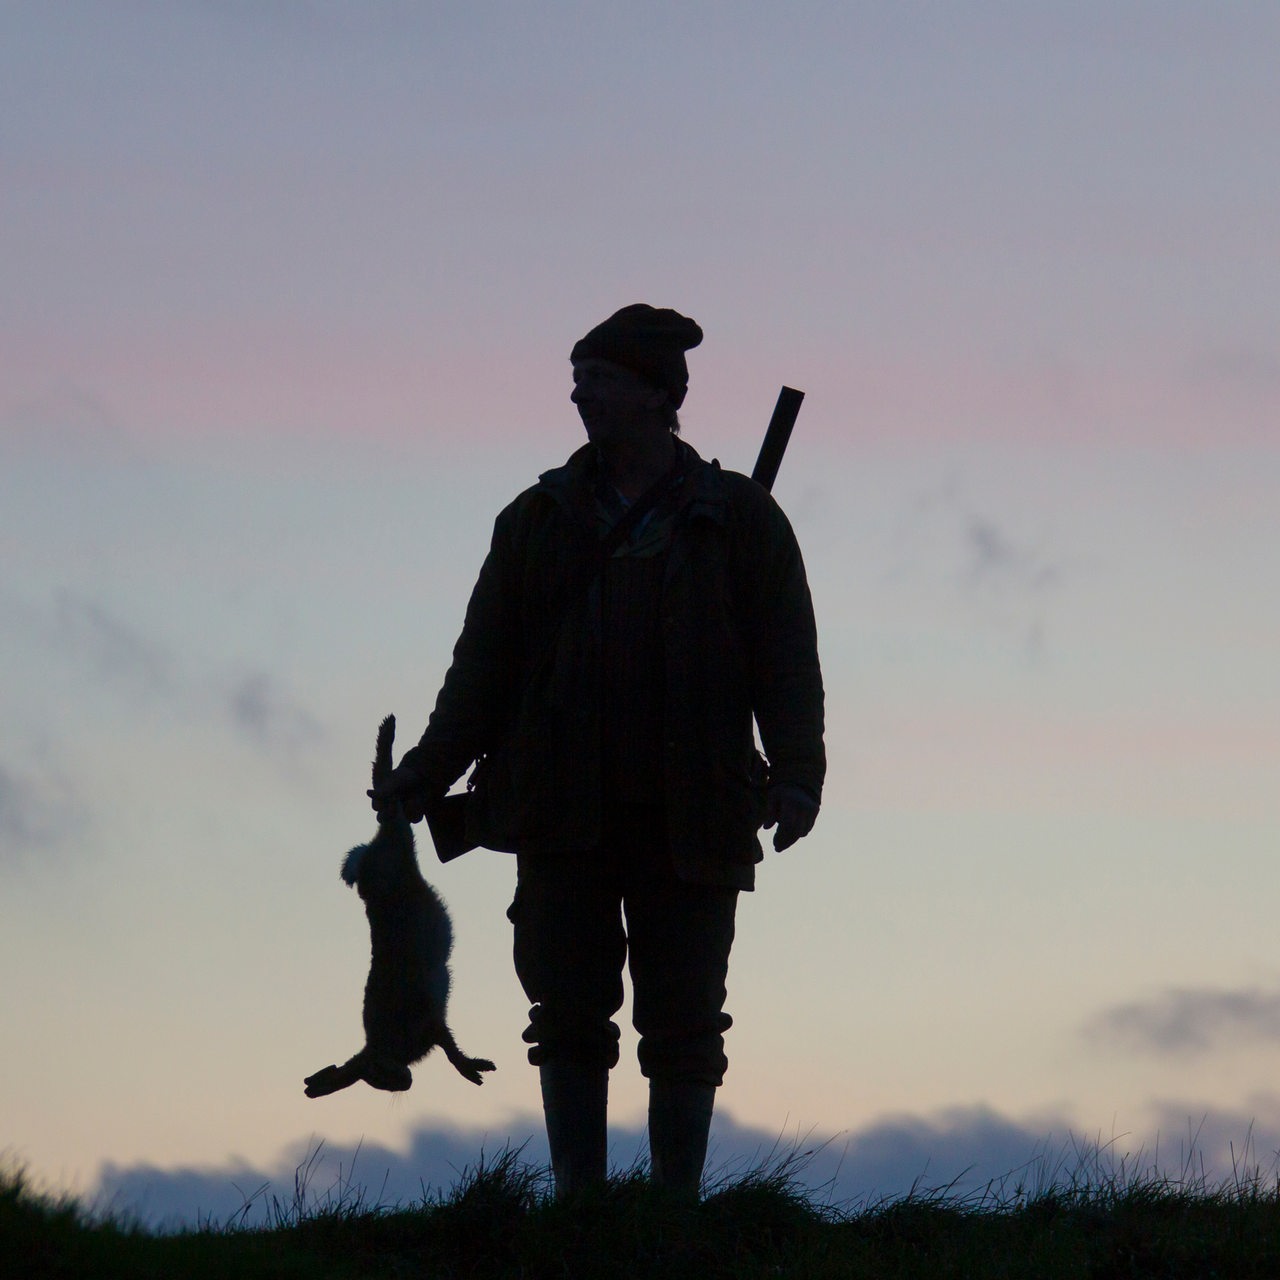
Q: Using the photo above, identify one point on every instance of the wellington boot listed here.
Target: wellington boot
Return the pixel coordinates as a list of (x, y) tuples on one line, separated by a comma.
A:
[(679, 1123), (575, 1102)]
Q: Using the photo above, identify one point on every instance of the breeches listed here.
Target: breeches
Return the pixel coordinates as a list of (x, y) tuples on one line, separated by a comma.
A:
[(578, 919)]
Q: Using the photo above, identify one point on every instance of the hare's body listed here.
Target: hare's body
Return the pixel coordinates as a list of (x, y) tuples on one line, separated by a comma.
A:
[(407, 993)]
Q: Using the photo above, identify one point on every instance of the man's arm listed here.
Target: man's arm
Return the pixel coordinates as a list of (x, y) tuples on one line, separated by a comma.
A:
[(785, 674)]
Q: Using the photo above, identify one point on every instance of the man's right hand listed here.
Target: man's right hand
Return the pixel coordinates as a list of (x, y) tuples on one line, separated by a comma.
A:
[(403, 785)]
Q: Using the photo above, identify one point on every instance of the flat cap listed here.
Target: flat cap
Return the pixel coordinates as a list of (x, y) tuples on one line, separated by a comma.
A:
[(650, 341)]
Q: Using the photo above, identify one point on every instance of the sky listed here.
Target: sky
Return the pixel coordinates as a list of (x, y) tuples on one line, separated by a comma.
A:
[(287, 292)]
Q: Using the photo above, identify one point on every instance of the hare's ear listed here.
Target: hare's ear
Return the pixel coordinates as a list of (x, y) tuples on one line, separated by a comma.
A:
[(382, 766)]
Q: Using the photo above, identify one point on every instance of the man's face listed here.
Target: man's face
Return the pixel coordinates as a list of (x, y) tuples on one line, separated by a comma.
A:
[(614, 403)]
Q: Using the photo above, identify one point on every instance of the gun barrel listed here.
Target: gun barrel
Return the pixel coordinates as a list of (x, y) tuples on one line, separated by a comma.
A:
[(776, 437)]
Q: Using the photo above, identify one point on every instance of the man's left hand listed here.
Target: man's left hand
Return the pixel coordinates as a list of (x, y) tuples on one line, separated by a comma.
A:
[(792, 810)]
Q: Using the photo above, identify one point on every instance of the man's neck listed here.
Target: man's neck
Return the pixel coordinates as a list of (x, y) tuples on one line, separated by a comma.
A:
[(633, 466)]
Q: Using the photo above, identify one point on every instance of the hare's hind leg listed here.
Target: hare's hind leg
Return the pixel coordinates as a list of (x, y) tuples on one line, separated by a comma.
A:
[(468, 1068), (330, 1079)]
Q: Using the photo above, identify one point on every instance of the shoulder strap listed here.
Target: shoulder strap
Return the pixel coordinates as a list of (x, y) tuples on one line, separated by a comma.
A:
[(637, 511)]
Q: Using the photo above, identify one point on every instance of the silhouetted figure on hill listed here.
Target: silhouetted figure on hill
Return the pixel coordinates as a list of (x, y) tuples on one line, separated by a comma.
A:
[(637, 609)]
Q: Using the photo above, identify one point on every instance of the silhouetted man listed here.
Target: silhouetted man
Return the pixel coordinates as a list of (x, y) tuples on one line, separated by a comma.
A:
[(638, 608)]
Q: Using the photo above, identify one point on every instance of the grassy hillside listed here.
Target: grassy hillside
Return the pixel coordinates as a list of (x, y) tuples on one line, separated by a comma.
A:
[(500, 1222)]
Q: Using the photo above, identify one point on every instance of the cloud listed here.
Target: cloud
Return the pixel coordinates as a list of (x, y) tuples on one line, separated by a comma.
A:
[(115, 650), (1189, 1020), (996, 559), (968, 1152), (37, 813), (120, 656), (319, 1173), (943, 526), (964, 1149), (1012, 576), (267, 716), (1218, 1142), (999, 575), (63, 417)]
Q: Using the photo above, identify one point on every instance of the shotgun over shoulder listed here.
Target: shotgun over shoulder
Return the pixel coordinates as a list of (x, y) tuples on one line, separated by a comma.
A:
[(775, 439)]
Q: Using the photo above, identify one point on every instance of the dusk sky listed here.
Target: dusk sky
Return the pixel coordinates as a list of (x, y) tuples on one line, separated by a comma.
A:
[(287, 292)]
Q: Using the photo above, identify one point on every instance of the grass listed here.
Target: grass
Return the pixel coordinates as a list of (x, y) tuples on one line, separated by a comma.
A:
[(1083, 1215)]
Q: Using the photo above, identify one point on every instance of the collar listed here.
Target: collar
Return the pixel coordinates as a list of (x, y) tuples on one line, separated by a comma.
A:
[(572, 485)]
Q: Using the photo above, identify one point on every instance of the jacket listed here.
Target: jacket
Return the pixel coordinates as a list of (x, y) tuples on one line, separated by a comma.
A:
[(523, 694)]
